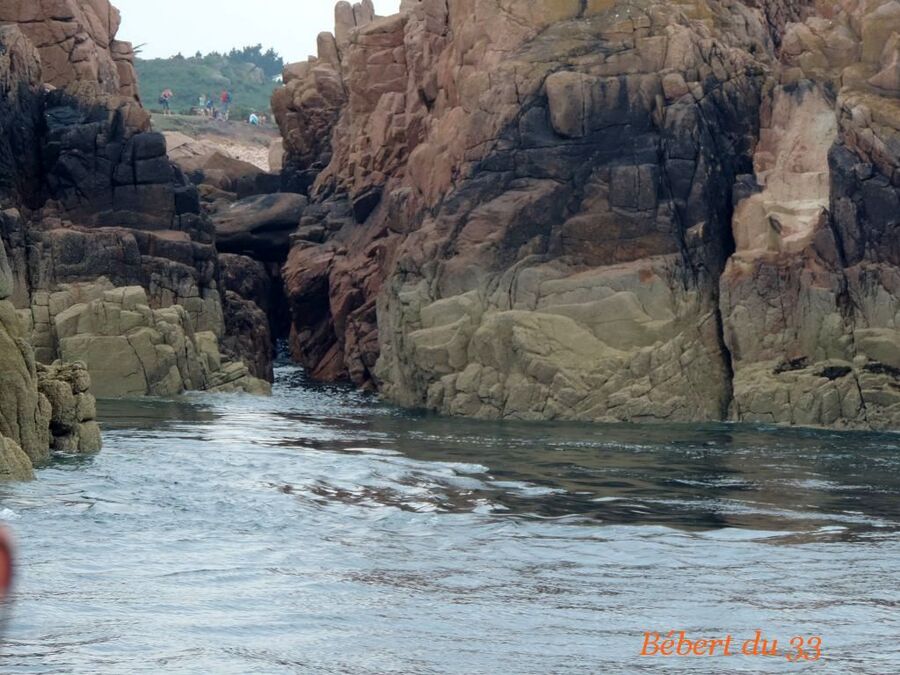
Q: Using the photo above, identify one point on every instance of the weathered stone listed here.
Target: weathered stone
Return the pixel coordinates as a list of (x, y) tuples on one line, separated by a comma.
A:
[(77, 44), (250, 313), (276, 155), (14, 463), (73, 409), (130, 349), (24, 412), (6, 277), (535, 191), (260, 226)]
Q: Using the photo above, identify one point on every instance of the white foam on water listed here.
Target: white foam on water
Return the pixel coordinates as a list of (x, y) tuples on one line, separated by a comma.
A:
[(375, 451), (8, 514)]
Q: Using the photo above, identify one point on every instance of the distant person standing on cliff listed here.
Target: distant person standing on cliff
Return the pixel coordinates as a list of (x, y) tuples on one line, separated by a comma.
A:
[(165, 99), (226, 103), (210, 105)]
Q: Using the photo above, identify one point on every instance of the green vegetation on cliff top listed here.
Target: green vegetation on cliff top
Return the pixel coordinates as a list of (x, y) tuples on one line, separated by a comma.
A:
[(249, 74)]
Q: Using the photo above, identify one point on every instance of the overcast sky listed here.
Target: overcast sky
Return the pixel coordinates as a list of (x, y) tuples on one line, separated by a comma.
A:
[(171, 26)]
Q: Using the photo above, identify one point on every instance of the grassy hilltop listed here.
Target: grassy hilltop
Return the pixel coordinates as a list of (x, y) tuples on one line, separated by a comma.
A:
[(249, 75)]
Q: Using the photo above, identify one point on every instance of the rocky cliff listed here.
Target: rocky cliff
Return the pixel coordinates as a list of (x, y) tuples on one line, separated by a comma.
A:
[(108, 264), (40, 408), (602, 210)]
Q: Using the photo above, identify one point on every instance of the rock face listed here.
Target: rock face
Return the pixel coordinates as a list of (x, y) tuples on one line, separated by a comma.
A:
[(14, 463), (89, 199), (599, 211), (133, 350), (108, 203), (20, 109), (41, 408), (77, 44), (810, 297), (24, 411), (251, 313)]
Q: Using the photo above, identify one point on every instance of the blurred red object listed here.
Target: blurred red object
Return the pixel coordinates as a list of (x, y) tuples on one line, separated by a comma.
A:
[(6, 563)]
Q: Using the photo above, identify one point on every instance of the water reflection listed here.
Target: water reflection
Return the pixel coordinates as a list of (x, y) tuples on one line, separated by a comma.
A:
[(685, 476)]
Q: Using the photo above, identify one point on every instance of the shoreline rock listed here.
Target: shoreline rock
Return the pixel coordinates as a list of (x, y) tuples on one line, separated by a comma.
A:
[(73, 422), (94, 214), (505, 224)]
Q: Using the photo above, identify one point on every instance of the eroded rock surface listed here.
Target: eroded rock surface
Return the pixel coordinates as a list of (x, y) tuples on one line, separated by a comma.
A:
[(602, 210), (810, 299), (77, 44), (24, 411), (89, 198), (260, 226), (251, 311), (15, 465), (73, 422), (133, 350)]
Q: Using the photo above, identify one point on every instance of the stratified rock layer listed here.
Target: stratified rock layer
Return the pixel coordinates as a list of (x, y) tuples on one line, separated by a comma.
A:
[(603, 210)]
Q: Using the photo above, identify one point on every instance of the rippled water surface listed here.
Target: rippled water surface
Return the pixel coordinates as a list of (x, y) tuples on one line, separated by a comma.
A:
[(322, 532)]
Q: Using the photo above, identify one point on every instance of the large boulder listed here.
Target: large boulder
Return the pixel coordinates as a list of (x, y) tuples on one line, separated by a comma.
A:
[(215, 167), (184, 150), (260, 226)]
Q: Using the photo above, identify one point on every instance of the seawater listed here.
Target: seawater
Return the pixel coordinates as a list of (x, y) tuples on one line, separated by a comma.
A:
[(320, 531)]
